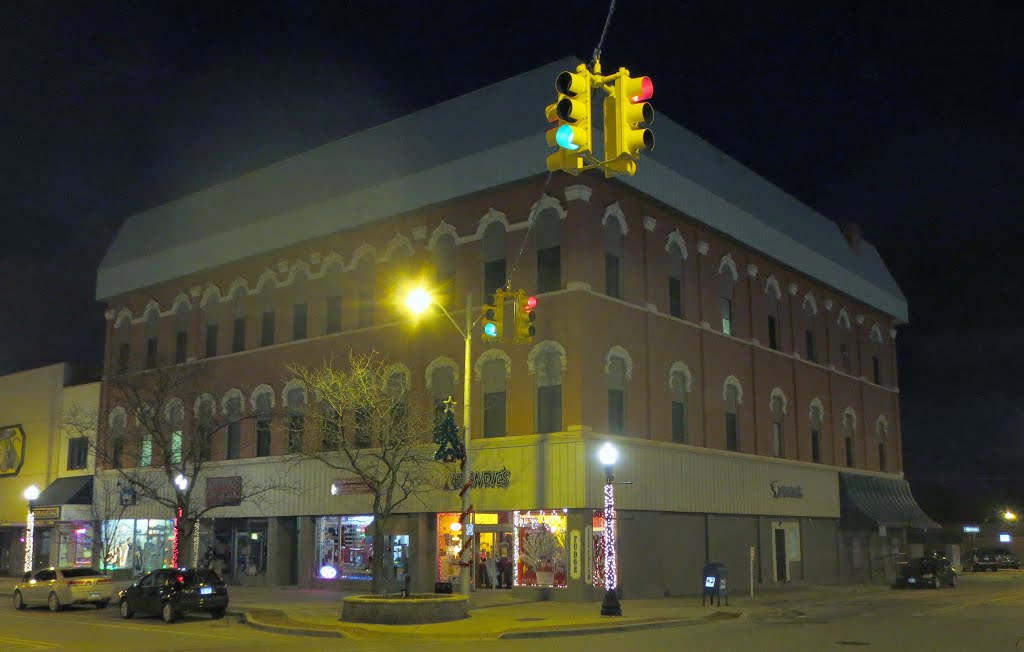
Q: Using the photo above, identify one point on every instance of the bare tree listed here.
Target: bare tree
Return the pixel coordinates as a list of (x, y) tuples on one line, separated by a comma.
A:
[(364, 420), (156, 429), (107, 511)]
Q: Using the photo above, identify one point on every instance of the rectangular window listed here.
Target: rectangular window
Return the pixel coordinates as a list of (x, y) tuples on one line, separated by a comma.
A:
[(809, 344), (773, 332), (616, 411), (815, 445), (549, 409), (844, 356), (299, 322), (267, 326), (494, 275), (151, 347), (176, 447), (549, 269), (180, 346), (365, 308), (881, 457), (675, 297), (262, 437), (732, 433), (333, 315), (876, 368), (124, 353), (849, 451), (78, 453), (146, 451), (778, 444), (117, 453), (727, 315), (679, 434), (238, 335), (364, 433), (494, 414), (612, 276), (211, 340), (296, 432), (234, 448)]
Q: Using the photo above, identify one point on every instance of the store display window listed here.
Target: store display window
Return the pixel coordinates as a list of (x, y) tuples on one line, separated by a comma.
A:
[(597, 549), (75, 544), (449, 545), (346, 547), (141, 545), (539, 553)]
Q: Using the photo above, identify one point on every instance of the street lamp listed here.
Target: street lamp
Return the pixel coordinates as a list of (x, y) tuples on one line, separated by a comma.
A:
[(417, 301), (1009, 515), (31, 494), (181, 482), (610, 606)]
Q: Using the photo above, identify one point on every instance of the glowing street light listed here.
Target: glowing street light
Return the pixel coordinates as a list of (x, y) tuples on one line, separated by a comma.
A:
[(31, 494), (1008, 515), (418, 300), (610, 606), (181, 482)]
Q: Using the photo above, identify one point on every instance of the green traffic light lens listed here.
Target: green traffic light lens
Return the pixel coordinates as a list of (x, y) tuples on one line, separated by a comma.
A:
[(491, 330)]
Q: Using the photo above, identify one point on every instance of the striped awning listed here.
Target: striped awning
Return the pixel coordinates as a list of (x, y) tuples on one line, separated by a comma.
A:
[(868, 501)]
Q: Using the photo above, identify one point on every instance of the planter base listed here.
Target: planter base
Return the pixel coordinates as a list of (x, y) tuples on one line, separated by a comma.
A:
[(414, 609)]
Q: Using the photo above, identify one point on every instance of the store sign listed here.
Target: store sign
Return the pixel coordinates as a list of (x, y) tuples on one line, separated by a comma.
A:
[(482, 479), (349, 486), (128, 495), (575, 555), (224, 491), (47, 513), (780, 490), (12, 449), (972, 529)]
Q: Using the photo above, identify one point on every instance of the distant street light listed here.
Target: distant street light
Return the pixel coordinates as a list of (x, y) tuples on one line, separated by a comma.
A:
[(1009, 516)]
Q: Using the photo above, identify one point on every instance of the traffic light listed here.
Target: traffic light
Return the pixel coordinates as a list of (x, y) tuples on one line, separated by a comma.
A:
[(571, 113), (493, 317), (525, 316), (626, 118)]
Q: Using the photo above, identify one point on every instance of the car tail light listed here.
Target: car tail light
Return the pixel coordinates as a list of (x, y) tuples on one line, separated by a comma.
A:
[(104, 580), (79, 582)]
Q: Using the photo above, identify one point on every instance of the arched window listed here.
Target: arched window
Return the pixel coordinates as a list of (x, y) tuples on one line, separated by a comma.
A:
[(676, 287), (211, 321), (882, 434), (123, 336), (366, 279), (494, 257), (727, 277), (546, 362), (549, 250), (300, 305), (333, 270), (876, 354), (845, 342), (817, 417), (733, 396), (263, 406), (118, 435), (773, 298), (295, 395), (175, 415), (232, 406), (778, 410), (612, 257), (441, 382), (398, 390), (494, 375), (181, 319), (152, 332), (239, 298), (445, 264), (810, 314), (849, 433), (679, 383), (617, 372), (268, 314)]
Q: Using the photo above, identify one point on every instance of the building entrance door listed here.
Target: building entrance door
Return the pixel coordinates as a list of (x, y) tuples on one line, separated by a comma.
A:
[(781, 559), (492, 553)]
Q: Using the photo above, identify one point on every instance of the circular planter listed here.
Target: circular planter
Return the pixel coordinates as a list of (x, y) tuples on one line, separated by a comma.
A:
[(414, 609)]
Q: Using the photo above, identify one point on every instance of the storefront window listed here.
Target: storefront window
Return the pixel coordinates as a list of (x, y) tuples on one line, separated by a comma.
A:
[(141, 545), (75, 544), (540, 548), (597, 547), (346, 547), (449, 545)]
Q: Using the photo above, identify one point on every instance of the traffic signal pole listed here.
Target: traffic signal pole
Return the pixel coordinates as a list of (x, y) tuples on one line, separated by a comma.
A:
[(465, 572)]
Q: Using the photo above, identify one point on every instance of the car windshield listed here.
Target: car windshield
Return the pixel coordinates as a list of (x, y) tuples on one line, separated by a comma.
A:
[(79, 572), (918, 566)]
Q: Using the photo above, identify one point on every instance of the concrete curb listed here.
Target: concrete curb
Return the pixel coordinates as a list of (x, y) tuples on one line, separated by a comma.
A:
[(294, 630), (607, 629)]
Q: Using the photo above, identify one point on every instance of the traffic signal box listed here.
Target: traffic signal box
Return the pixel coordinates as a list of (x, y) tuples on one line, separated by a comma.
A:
[(525, 317), (627, 116), (494, 317)]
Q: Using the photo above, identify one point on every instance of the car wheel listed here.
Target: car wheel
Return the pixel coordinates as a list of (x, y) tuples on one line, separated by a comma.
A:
[(53, 602), (936, 583), (103, 604), (19, 602), (217, 614), (955, 582), (126, 611), (167, 612)]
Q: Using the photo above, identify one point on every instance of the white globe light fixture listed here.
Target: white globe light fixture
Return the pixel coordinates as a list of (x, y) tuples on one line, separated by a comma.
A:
[(418, 300), (181, 482), (608, 454), (31, 494)]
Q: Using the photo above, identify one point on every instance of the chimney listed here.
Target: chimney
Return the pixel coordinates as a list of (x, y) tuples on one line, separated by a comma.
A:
[(852, 232)]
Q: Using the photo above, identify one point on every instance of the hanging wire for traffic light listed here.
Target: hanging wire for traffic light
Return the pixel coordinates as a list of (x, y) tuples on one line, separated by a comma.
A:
[(604, 33)]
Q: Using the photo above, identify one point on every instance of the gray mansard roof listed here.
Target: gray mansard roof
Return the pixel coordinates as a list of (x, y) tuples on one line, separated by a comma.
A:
[(425, 158)]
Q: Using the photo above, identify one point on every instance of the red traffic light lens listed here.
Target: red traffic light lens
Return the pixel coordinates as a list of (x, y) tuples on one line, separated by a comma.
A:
[(646, 90), (531, 303)]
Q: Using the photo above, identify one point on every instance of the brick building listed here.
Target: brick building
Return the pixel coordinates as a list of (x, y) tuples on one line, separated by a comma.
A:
[(736, 345)]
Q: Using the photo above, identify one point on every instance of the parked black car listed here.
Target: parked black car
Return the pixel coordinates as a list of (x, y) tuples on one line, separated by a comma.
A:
[(172, 592), (926, 573), (1006, 558), (981, 559)]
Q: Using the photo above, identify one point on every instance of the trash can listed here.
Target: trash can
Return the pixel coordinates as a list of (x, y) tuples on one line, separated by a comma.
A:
[(715, 577)]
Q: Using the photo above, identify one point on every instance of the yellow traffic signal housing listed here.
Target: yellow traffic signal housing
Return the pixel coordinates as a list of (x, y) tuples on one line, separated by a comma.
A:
[(626, 118), (572, 115), (493, 317), (525, 317)]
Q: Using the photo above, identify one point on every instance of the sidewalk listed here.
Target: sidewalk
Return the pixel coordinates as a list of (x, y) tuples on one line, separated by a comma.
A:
[(499, 614)]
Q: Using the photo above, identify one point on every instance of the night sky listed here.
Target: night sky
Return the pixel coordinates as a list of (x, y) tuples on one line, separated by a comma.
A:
[(904, 117)]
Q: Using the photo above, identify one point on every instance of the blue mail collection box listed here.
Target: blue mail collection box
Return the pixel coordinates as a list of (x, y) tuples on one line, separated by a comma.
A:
[(715, 577)]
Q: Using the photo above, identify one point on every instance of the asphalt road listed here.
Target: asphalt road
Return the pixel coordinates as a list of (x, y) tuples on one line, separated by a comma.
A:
[(985, 613)]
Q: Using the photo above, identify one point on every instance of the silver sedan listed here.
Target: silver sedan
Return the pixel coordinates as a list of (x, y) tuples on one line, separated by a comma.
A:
[(60, 587)]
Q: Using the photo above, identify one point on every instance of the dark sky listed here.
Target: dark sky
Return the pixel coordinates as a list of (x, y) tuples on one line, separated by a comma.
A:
[(904, 117)]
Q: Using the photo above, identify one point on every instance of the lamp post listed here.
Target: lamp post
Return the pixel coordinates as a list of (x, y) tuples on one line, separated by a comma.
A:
[(30, 525), (610, 606), (417, 301), (181, 482)]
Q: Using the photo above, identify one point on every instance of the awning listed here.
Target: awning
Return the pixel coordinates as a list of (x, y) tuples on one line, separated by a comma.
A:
[(868, 501), (67, 491)]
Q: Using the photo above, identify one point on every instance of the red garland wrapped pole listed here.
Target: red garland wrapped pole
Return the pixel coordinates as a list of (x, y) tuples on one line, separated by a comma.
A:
[(176, 544)]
